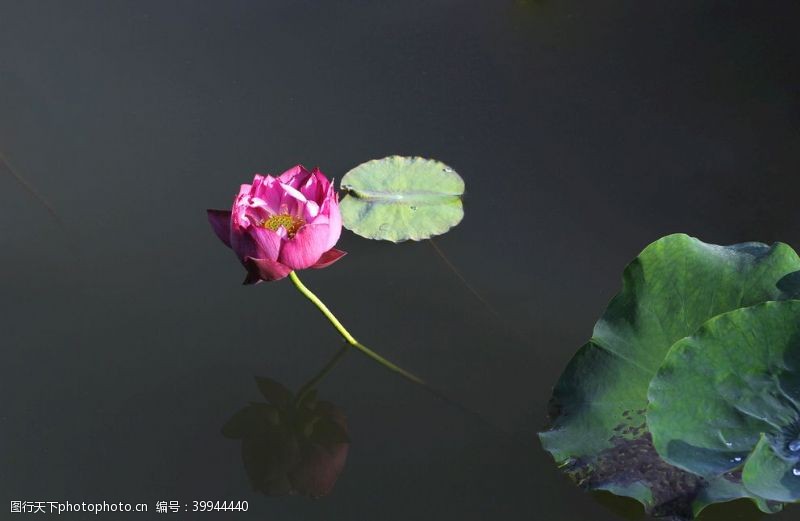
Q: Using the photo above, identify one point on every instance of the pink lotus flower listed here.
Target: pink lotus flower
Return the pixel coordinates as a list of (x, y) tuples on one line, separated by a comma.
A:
[(280, 224)]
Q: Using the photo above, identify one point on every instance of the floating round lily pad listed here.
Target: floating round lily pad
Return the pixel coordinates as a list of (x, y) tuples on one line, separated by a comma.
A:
[(399, 198), (741, 371)]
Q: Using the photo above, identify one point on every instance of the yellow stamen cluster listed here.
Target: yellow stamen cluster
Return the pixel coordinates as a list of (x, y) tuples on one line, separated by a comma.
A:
[(290, 223)]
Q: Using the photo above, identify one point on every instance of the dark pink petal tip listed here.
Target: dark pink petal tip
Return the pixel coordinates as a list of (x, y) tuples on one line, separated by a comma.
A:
[(220, 221), (328, 258), (297, 170), (264, 269)]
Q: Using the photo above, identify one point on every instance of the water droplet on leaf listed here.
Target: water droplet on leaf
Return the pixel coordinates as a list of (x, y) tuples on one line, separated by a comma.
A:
[(795, 446), (796, 471)]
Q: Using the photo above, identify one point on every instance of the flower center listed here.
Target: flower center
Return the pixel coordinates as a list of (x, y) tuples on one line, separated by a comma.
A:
[(290, 223)]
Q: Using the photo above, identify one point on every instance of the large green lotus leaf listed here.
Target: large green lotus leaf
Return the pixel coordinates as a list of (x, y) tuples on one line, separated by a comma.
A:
[(731, 389), (399, 198), (599, 434)]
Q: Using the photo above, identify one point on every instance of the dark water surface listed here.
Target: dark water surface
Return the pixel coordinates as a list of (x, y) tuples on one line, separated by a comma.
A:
[(584, 131)]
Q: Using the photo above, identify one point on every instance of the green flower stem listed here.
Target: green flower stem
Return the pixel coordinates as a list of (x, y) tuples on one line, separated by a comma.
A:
[(346, 334)]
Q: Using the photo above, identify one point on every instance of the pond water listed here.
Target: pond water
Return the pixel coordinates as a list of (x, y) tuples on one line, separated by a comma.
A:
[(583, 131)]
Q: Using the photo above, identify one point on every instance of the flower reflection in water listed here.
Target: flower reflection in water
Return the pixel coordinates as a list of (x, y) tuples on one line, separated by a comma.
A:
[(293, 443)]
